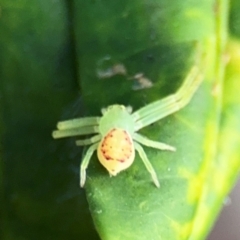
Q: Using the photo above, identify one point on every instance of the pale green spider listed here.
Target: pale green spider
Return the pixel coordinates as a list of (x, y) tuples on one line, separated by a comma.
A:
[(116, 138)]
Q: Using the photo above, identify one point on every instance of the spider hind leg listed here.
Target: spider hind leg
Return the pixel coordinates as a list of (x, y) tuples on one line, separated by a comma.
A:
[(150, 143), (88, 141), (147, 164), (85, 163)]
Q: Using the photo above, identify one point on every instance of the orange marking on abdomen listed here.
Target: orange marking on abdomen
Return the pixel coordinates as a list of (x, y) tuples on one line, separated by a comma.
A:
[(116, 151), (117, 145)]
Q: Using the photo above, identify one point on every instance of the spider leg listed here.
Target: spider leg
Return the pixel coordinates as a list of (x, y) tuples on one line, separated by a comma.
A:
[(89, 141), (147, 163), (85, 163), (145, 111), (75, 131), (164, 107), (78, 122), (150, 143)]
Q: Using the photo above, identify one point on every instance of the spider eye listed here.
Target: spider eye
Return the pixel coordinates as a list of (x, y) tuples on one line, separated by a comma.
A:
[(129, 109), (103, 110)]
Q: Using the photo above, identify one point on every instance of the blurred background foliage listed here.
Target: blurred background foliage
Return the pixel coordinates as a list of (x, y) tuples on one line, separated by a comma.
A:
[(58, 60)]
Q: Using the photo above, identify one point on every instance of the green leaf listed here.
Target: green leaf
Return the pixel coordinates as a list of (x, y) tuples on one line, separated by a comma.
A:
[(223, 170), (160, 43), (52, 50)]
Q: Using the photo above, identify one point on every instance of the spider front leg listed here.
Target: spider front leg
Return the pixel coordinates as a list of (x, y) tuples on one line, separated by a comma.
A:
[(77, 126), (75, 132), (147, 163), (78, 122), (85, 163), (164, 107)]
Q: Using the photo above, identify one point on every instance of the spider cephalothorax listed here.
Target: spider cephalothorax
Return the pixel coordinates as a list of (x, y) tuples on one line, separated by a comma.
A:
[(116, 136)]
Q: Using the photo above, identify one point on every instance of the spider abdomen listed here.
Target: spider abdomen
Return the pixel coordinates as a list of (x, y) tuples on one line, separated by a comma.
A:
[(116, 151)]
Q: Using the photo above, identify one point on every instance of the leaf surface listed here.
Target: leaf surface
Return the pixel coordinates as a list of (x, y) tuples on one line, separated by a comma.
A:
[(160, 41)]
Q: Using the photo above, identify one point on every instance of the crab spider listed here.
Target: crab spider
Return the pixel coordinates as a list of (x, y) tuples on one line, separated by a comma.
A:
[(116, 137)]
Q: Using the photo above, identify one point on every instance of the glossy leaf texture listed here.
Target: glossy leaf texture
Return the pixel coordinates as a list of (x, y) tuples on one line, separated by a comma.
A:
[(159, 41), (62, 59)]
